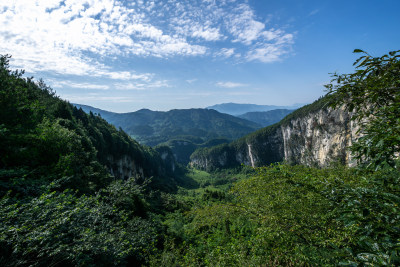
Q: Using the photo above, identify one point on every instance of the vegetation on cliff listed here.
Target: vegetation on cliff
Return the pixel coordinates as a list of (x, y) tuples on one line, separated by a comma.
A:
[(373, 92)]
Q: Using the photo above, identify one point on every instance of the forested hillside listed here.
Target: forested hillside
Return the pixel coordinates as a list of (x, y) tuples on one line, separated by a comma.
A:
[(184, 130), (71, 184), (154, 127)]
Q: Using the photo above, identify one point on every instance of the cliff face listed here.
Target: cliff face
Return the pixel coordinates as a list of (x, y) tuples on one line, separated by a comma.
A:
[(319, 138), (314, 135), (124, 167), (161, 163)]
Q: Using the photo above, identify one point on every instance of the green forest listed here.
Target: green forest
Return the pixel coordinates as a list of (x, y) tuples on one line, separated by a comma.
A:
[(59, 204)]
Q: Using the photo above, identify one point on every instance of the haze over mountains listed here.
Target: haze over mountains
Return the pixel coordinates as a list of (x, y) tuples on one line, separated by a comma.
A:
[(266, 118), (153, 127), (236, 109), (183, 130)]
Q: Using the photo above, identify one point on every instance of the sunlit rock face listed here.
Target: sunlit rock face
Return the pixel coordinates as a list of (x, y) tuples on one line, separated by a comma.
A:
[(320, 138), (317, 138)]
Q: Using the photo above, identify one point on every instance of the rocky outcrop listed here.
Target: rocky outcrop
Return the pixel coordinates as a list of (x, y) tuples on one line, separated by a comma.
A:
[(319, 138), (159, 164), (124, 167), (313, 135), (168, 159)]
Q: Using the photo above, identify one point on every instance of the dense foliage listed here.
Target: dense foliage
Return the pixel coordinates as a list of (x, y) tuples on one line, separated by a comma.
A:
[(58, 229), (373, 93), (291, 216), (59, 203), (304, 216)]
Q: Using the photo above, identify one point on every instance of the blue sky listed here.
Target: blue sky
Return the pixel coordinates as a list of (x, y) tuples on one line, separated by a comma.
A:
[(126, 55)]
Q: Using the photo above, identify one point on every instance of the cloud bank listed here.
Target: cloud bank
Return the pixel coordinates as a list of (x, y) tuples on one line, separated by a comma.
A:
[(72, 36)]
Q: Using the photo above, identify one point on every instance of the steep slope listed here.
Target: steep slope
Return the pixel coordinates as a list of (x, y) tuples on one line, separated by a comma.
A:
[(266, 118), (45, 141), (236, 109), (312, 135)]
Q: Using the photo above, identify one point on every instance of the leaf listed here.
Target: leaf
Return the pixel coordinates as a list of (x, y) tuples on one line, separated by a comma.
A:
[(358, 51)]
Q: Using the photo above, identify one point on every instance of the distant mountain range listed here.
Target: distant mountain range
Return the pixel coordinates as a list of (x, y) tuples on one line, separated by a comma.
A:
[(266, 118), (147, 125), (236, 109), (183, 130)]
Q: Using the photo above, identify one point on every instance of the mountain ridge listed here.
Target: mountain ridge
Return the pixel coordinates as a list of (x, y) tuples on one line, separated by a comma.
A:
[(193, 128), (266, 118), (237, 109), (200, 121)]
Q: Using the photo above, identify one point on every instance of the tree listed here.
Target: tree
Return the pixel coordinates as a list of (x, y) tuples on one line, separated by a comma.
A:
[(372, 93)]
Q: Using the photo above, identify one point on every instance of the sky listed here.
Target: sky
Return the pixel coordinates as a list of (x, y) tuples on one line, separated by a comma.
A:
[(122, 56)]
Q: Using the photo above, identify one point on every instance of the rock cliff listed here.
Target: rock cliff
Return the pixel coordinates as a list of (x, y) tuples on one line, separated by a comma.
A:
[(313, 135), (126, 166)]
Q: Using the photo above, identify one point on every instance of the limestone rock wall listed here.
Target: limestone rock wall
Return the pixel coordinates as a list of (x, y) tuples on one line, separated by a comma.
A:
[(124, 167), (317, 138)]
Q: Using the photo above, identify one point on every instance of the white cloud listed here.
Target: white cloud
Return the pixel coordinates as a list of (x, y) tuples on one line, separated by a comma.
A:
[(60, 84), (243, 26), (191, 81), (51, 36), (77, 37), (271, 52), (141, 86), (230, 84), (208, 34), (265, 45), (315, 11), (126, 75), (225, 52), (94, 97)]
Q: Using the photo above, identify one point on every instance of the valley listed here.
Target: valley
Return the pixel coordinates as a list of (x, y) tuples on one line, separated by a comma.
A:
[(184, 131)]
